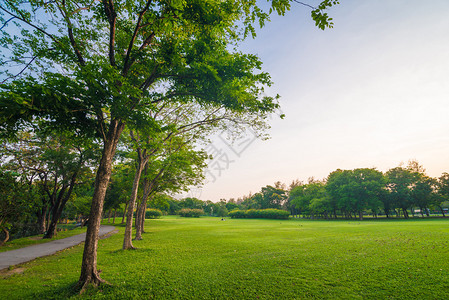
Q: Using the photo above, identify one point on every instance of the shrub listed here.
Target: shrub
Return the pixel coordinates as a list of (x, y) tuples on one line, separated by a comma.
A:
[(269, 213), (237, 214), (191, 213), (153, 213)]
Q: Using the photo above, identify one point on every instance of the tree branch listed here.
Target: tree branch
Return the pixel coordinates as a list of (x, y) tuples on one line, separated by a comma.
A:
[(112, 17), (305, 4), (80, 58), (18, 74), (6, 23), (22, 18), (127, 64)]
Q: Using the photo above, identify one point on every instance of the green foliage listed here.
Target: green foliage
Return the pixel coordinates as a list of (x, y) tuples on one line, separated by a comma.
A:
[(268, 197), (269, 213), (14, 202), (191, 213), (356, 190), (310, 199), (160, 202), (78, 206), (321, 18), (222, 211), (153, 213)]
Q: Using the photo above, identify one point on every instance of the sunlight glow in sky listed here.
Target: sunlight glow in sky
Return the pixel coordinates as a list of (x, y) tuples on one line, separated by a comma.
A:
[(371, 92)]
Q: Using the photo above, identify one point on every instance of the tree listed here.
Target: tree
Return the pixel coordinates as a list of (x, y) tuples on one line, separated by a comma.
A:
[(399, 183), (13, 202), (271, 197), (118, 193), (222, 210), (336, 187), (53, 163), (174, 171), (108, 62), (356, 190), (311, 199), (424, 192), (366, 188), (443, 192)]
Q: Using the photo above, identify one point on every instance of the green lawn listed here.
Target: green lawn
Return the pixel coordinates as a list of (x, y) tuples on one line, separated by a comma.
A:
[(255, 259)]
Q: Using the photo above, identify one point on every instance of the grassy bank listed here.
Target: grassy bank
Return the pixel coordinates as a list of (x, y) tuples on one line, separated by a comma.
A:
[(249, 259)]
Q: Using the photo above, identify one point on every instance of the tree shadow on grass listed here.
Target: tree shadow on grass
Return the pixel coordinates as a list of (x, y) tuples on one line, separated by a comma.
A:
[(62, 291), (137, 249)]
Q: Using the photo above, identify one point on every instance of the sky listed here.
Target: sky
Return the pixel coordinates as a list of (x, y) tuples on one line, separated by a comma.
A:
[(371, 92)]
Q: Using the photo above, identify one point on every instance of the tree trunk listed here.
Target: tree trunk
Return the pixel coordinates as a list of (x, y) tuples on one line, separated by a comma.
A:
[(109, 215), (137, 222), (360, 215), (141, 213), (41, 223), (404, 210), (89, 273), (58, 207), (147, 189), (115, 213), (124, 213), (140, 219), (6, 236), (442, 211), (127, 242)]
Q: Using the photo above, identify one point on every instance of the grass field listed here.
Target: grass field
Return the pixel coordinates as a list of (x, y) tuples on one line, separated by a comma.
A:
[(254, 259)]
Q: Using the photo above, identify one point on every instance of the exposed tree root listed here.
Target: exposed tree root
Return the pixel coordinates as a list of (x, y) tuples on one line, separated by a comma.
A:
[(93, 280)]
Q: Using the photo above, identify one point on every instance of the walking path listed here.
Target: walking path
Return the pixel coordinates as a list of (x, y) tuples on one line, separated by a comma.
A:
[(18, 256)]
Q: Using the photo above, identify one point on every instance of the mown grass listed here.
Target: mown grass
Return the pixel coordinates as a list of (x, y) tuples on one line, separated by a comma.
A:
[(37, 239), (255, 259)]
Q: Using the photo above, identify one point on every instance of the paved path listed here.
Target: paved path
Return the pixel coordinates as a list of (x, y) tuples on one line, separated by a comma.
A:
[(18, 256)]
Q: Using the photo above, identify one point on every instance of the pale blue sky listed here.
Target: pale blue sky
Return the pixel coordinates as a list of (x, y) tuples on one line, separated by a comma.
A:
[(371, 92)]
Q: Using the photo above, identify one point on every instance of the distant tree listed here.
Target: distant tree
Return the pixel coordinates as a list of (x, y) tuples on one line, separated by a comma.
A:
[(222, 211), (399, 184), (118, 192), (271, 197), (356, 190), (311, 199), (161, 202), (424, 192), (299, 201), (443, 192), (210, 207), (337, 189), (231, 206)]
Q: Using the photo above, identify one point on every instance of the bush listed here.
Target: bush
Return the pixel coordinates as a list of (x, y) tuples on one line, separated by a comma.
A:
[(153, 213), (269, 213), (237, 214), (191, 213)]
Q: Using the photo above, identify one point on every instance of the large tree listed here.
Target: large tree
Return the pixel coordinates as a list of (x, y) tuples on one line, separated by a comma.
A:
[(95, 66)]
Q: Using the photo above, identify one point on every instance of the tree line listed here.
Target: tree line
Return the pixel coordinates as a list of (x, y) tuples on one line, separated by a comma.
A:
[(399, 192)]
